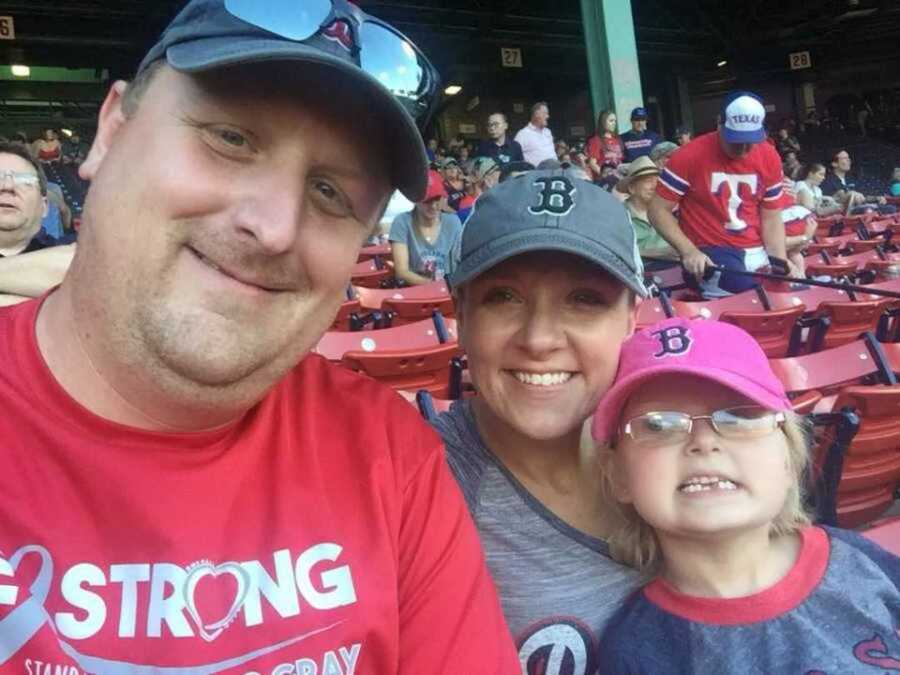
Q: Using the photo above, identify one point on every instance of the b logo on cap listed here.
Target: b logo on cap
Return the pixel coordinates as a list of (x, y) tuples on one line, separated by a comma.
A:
[(556, 196), (673, 341)]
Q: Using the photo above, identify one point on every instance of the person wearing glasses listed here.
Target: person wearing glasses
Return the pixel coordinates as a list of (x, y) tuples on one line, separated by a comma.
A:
[(187, 488), (499, 146), (703, 465)]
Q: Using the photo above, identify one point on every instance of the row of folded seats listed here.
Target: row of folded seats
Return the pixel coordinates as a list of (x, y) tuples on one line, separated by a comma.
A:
[(837, 352)]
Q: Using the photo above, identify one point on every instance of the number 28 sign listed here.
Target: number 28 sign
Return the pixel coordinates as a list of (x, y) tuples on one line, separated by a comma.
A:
[(800, 60), (7, 29)]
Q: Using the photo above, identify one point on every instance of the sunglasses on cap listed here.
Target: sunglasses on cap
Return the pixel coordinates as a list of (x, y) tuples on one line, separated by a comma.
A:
[(384, 53)]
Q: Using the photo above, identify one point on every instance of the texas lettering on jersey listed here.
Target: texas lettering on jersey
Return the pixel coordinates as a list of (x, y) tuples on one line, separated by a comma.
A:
[(204, 601)]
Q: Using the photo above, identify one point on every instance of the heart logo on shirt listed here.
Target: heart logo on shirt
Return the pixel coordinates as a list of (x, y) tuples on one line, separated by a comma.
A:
[(209, 631)]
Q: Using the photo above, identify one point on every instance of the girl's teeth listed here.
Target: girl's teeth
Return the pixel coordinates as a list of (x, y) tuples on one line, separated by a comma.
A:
[(542, 379), (705, 486)]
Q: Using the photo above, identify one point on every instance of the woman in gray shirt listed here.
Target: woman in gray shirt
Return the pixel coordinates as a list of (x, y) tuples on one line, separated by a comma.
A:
[(546, 291)]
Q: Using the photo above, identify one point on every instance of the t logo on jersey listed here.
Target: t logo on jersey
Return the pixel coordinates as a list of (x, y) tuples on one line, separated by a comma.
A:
[(734, 181), (556, 196), (673, 341)]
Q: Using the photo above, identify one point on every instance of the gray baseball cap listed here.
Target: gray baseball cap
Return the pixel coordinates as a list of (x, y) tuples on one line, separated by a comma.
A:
[(390, 74), (550, 210)]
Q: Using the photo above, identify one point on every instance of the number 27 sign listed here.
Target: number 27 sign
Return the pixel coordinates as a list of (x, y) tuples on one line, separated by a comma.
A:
[(511, 57)]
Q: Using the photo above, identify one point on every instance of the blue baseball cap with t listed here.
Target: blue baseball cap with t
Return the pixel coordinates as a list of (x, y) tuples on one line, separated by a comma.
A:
[(743, 118)]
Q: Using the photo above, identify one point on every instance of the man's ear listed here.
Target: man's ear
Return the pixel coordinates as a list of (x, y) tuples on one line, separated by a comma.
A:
[(109, 122)]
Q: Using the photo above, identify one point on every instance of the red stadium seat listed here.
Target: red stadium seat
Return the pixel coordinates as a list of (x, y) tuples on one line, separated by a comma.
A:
[(650, 311), (370, 274), (371, 298), (380, 250), (845, 322), (872, 462), (885, 533), (411, 369), (773, 330), (826, 371), (746, 302), (408, 310), (346, 311), (422, 334)]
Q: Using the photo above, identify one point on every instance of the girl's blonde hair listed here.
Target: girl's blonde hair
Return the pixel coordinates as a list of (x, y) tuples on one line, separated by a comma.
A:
[(632, 541)]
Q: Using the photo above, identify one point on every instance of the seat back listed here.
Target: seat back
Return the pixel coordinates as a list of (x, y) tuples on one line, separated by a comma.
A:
[(421, 334), (344, 314), (772, 330), (826, 371), (372, 279), (411, 369), (372, 298), (871, 469), (847, 320), (409, 310)]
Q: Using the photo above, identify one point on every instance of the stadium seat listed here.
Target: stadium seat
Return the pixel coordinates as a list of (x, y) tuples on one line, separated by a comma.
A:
[(776, 330), (347, 316), (372, 298), (436, 369), (843, 322), (371, 273), (886, 533), (752, 301), (400, 311), (421, 334), (429, 406), (379, 250), (653, 310)]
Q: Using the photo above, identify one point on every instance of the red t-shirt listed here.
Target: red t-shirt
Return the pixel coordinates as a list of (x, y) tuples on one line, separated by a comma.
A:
[(720, 198), (605, 149), (321, 533)]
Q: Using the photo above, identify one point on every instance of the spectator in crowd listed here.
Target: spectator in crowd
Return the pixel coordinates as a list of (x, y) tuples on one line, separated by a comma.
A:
[(661, 152), (535, 137), (74, 149), (227, 206), (425, 241), (640, 185), (465, 161), (605, 146), (48, 149), (683, 135), (499, 146), (727, 185), (562, 150), (514, 169), (808, 192), (787, 142), (23, 202), (545, 292), (57, 222), (895, 182), (485, 175), (704, 468), (639, 141), (840, 185), (455, 144), (609, 177), (431, 149), (791, 165), (454, 184)]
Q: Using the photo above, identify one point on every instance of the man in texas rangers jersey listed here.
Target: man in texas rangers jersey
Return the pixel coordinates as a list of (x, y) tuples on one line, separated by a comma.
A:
[(186, 489), (727, 185)]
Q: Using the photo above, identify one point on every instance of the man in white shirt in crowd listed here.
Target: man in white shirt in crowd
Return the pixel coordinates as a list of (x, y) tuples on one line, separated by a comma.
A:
[(535, 137)]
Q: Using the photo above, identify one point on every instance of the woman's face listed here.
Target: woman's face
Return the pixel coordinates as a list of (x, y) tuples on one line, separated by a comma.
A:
[(611, 124), (49, 135), (816, 177), (542, 332), (643, 188), (432, 208)]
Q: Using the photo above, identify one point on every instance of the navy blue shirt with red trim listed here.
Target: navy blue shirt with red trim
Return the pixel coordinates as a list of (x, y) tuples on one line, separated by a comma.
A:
[(836, 611)]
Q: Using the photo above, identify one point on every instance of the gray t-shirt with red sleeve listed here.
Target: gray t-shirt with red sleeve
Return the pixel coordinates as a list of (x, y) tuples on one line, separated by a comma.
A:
[(558, 586)]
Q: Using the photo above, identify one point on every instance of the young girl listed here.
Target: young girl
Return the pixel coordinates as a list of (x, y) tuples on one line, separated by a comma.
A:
[(702, 461)]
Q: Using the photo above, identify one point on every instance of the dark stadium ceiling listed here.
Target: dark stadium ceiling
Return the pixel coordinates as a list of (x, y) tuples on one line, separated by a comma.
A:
[(463, 37)]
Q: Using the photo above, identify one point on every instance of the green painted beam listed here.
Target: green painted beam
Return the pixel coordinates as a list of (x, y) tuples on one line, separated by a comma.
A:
[(613, 71), (53, 74)]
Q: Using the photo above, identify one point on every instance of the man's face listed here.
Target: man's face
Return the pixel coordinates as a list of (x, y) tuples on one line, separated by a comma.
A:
[(734, 150), (223, 221), (541, 116), (496, 126), (21, 206), (842, 161), (639, 126), (683, 139)]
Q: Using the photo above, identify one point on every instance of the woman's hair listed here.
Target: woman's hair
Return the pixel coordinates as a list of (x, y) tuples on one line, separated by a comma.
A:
[(601, 121), (815, 167), (632, 541)]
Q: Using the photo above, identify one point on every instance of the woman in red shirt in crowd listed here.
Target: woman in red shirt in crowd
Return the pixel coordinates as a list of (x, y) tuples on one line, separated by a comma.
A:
[(604, 146)]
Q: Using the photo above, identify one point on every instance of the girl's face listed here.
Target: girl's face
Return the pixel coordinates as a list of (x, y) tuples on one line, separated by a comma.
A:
[(611, 124), (702, 484), (816, 177)]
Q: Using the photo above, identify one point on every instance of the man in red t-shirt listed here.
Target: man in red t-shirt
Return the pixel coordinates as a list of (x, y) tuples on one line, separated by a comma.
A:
[(726, 185), (186, 488)]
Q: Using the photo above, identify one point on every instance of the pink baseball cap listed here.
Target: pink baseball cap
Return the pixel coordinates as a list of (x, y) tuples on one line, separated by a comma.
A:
[(714, 350)]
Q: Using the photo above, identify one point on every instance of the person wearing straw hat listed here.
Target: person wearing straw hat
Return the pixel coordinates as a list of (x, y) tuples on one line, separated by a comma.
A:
[(187, 488), (640, 185)]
